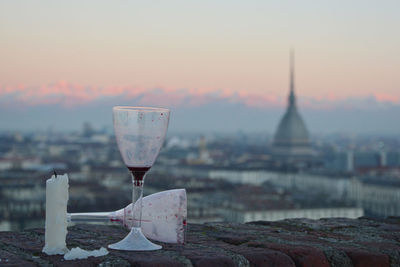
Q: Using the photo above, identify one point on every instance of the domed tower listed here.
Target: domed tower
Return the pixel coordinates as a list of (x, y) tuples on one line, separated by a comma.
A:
[(291, 141)]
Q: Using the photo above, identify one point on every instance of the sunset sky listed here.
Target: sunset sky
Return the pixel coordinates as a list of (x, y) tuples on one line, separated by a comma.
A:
[(76, 52)]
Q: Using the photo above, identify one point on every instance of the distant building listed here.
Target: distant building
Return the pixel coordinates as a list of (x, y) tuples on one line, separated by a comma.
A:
[(87, 129), (248, 215), (254, 203), (202, 157), (361, 161), (378, 196), (291, 141)]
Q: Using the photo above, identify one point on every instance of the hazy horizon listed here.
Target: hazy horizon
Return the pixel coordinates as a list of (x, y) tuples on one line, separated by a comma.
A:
[(212, 114)]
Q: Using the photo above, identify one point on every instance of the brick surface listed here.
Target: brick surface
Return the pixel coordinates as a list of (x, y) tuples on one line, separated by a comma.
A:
[(301, 255), (366, 258), (9, 259), (267, 258), (295, 242)]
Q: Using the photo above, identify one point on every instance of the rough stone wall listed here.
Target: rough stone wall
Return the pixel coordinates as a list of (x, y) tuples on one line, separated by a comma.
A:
[(295, 242)]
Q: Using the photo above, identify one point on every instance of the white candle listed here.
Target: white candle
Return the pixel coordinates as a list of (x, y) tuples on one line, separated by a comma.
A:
[(56, 215)]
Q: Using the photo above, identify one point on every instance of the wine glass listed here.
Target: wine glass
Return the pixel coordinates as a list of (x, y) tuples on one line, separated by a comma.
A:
[(164, 218), (140, 133)]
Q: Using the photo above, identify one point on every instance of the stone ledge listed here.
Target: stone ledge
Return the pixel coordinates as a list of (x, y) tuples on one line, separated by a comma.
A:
[(294, 242)]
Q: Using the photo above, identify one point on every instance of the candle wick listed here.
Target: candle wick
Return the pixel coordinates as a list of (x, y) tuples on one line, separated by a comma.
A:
[(55, 174)]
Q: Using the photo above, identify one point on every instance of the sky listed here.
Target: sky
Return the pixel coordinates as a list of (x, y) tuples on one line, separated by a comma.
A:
[(189, 55)]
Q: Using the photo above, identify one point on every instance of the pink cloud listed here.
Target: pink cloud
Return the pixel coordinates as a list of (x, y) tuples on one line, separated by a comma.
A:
[(70, 95), (260, 101), (384, 97)]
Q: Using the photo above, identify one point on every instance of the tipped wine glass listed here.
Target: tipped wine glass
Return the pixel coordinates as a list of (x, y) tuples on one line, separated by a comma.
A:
[(164, 218), (140, 133)]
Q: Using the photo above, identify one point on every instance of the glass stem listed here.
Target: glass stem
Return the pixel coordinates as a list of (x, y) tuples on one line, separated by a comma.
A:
[(91, 217), (137, 195)]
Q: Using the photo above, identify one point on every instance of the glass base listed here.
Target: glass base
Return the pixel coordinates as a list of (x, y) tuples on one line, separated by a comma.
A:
[(135, 241)]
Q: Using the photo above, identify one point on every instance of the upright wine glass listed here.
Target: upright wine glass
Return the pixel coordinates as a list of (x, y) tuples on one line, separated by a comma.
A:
[(140, 133)]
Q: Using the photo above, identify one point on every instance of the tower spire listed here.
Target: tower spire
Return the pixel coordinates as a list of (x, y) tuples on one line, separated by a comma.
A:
[(292, 97)]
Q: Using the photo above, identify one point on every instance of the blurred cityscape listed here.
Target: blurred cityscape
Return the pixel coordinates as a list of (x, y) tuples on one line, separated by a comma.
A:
[(236, 177), (228, 178)]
